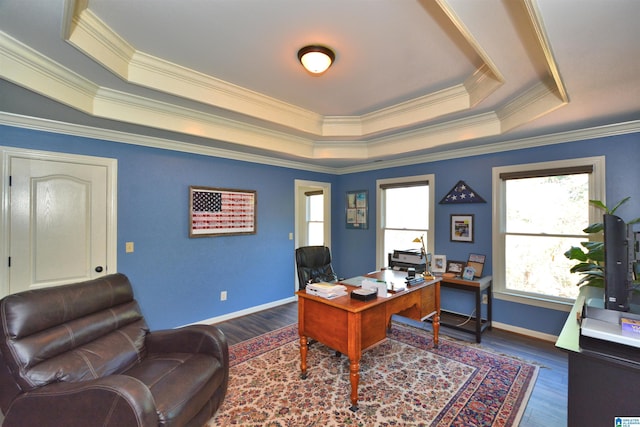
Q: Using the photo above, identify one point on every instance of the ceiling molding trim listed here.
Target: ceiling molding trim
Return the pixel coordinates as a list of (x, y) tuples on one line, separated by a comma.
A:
[(481, 84), (538, 26), (123, 107), (615, 129), (109, 49), (464, 31), (45, 125), (71, 129), (27, 67), (478, 126), (451, 100), (99, 42), (542, 98)]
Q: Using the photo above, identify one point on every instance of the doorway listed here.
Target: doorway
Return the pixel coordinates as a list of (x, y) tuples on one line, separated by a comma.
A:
[(312, 226)]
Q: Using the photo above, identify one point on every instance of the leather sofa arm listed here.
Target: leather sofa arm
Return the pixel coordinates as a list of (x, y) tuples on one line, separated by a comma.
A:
[(112, 401), (205, 339)]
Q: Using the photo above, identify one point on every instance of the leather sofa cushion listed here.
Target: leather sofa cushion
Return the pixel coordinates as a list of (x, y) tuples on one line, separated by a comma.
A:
[(181, 383), (71, 334)]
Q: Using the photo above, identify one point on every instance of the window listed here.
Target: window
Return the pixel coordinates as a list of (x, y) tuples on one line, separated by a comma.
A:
[(540, 212), (405, 212), (315, 217)]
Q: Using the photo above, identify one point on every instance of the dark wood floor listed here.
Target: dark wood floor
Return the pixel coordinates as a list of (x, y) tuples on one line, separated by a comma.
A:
[(547, 406)]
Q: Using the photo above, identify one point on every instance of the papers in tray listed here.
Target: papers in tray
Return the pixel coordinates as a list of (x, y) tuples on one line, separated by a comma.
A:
[(354, 281), (326, 290)]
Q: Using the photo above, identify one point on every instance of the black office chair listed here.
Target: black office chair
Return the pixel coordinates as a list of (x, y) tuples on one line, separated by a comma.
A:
[(314, 265)]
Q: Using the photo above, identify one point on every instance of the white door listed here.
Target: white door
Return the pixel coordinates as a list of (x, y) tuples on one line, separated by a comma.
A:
[(59, 221)]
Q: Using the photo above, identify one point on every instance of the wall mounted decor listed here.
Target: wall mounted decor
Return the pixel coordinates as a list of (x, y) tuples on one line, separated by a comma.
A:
[(221, 211), (461, 193), (357, 210), (462, 228)]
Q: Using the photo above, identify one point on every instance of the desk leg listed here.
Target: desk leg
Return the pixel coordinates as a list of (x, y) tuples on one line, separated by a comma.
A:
[(436, 328), (303, 357), (354, 377), (478, 315)]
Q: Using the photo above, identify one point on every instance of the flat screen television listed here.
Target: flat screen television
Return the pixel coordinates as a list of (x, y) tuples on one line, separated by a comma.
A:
[(617, 277)]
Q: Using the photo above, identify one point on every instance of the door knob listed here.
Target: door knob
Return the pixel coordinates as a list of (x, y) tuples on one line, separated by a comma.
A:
[(99, 269)]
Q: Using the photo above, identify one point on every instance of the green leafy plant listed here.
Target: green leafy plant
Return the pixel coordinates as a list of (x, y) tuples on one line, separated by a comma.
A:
[(590, 255)]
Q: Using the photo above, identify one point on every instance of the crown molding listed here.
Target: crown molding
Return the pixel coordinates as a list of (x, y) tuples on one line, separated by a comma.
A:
[(72, 129), (52, 126), (96, 40)]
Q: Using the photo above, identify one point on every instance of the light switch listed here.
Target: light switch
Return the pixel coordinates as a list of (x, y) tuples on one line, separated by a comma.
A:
[(128, 247)]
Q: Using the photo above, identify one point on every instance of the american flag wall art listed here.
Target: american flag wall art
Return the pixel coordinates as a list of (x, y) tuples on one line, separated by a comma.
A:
[(219, 211)]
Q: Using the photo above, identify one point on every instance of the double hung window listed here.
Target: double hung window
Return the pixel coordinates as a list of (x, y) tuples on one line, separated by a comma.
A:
[(540, 212), (405, 212)]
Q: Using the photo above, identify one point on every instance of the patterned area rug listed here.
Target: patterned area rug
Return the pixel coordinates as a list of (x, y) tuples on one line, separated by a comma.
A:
[(404, 381)]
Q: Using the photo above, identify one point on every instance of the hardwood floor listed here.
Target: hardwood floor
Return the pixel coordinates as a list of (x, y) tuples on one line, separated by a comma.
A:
[(547, 406)]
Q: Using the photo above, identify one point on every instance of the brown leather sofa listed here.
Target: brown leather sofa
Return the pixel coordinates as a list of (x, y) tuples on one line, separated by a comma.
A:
[(83, 355)]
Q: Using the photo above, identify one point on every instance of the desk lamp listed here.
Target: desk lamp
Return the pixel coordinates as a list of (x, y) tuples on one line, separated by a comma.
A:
[(427, 262)]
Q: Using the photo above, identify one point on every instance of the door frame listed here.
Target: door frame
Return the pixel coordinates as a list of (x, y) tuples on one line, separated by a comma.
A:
[(8, 153), (301, 186)]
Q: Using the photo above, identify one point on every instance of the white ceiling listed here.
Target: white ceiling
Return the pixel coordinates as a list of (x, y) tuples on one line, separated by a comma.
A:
[(411, 77)]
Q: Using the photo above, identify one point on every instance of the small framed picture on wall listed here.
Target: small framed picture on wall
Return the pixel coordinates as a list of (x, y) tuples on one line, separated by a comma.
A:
[(462, 228)]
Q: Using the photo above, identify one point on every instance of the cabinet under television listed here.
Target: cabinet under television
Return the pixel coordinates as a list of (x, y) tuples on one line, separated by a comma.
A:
[(603, 366)]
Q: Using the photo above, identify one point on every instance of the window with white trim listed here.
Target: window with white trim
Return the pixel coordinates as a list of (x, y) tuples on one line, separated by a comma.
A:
[(405, 212), (540, 211)]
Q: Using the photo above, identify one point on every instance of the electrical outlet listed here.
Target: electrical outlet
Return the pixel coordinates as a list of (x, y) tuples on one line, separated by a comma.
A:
[(223, 295), (485, 299), (128, 247)]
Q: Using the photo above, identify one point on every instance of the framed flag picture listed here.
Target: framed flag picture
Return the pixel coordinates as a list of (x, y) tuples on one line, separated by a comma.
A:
[(221, 211)]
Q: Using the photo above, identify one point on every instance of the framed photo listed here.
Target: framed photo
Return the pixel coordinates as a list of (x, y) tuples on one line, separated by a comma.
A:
[(357, 211), (468, 273), (477, 262), (439, 264), (462, 228), (455, 267), (221, 211)]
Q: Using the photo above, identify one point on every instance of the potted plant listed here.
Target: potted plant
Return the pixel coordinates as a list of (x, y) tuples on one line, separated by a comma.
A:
[(590, 256)]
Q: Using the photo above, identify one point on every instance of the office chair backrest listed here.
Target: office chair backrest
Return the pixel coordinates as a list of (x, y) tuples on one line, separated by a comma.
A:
[(314, 264)]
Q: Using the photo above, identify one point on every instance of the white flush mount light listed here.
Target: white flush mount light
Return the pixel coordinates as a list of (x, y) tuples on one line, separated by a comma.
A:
[(316, 59)]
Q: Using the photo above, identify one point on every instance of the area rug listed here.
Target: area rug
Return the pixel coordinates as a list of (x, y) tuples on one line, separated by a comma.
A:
[(404, 381)]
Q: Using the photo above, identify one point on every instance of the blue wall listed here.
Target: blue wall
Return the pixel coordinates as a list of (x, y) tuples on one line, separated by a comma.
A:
[(178, 280), (354, 250)]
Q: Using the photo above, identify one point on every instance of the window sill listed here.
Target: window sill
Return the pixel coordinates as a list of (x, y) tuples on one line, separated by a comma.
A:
[(534, 301)]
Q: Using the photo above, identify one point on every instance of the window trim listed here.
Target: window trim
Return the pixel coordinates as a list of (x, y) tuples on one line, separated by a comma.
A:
[(381, 184), (596, 192)]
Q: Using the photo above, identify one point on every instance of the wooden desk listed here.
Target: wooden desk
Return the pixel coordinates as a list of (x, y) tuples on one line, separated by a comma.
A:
[(477, 286), (350, 326)]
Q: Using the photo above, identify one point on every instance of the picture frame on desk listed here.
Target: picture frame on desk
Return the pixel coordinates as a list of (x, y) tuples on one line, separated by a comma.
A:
[(439, 264), (477, 262), (468, 273), (455, 267)]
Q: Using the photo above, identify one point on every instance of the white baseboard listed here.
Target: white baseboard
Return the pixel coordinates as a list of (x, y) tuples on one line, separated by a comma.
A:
[(525, 332), (244, 312)]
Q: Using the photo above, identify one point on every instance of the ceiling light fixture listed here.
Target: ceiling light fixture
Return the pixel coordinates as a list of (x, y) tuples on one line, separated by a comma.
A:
[(316, 59)]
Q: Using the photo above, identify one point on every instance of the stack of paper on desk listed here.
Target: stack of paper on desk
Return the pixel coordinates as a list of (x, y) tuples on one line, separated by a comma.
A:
[(326, 290)]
